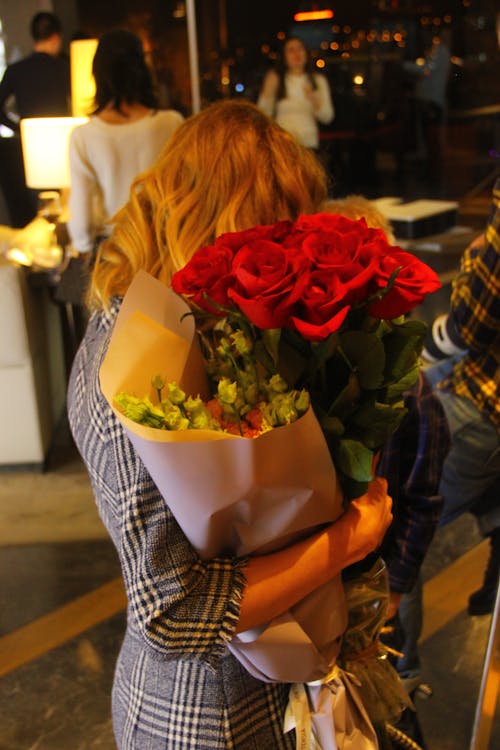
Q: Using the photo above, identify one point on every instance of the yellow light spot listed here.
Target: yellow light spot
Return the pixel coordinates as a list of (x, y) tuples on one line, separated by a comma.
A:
[(313, 15)]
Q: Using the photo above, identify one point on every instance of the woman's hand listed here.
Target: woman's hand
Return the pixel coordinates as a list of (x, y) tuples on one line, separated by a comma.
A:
[(367, 520), (277, 581)]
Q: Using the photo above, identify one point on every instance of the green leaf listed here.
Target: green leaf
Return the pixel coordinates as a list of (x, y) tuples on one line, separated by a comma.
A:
[(377, 422), (324, 350), (365, 352), (403, 346), (394, 391), (263, 357), (354, 459), (271, 339), (333, 426), (347, 399), (413, 327)]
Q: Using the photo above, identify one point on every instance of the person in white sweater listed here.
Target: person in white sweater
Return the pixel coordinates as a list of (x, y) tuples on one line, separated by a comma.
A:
[(123, 137), (295, 96)]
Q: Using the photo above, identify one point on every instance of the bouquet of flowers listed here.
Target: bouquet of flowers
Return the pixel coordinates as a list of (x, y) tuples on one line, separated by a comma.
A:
[(280, 379), (326, 296)]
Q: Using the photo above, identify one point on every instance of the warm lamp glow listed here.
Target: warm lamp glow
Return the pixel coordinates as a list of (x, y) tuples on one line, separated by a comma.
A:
[(45, 144), (81, 55), (35, 245), (313, 15)]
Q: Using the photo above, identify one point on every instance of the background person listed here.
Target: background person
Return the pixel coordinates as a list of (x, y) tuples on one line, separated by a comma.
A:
[(468, 385), (431, 98), (297, 97), (39, 86), (123, 137), (225, 169)]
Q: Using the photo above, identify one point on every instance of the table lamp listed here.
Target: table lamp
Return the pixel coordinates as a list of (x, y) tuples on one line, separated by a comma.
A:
[(45, 147)]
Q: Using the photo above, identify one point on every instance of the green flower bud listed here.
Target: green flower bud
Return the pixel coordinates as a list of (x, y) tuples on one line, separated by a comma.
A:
[(176, 394), (302, 401), (141, 410), (194, 405), (227, 390), (241, 342), (223, 348), (252, 394), (277, 384), (175, 420), (158, 382), (203, 420)]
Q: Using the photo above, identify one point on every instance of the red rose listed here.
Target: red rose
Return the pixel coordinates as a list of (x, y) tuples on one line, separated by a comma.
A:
[(269, 280), (322, 308), (273, 232), (206, 277), (413, 282), (344, 255)]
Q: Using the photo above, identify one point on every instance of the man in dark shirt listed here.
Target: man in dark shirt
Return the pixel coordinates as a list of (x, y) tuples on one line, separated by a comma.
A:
[(40, 86)]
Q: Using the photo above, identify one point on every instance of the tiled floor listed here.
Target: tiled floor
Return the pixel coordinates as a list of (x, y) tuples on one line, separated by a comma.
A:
[(62, 611), (62, 619)]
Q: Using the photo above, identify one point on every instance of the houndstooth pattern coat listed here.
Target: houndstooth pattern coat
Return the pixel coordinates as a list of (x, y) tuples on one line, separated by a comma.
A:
[(176, 686)]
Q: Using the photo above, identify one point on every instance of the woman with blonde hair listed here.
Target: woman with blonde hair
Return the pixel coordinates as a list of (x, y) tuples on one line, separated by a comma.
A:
[(226, 169), (176, 684)]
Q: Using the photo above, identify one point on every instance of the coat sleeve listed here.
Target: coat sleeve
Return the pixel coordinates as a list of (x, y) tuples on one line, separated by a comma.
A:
[(7, 90), (325, 112), (267, 97), (412, 461), (84, 194), (180, 605)]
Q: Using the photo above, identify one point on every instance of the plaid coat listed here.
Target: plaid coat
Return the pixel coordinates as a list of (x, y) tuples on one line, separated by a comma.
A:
[(176, 686)]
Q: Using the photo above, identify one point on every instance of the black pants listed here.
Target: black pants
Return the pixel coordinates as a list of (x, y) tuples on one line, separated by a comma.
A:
[(20, 200)]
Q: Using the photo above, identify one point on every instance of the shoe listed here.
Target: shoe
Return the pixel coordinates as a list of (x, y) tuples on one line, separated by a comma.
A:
[(482, 601)]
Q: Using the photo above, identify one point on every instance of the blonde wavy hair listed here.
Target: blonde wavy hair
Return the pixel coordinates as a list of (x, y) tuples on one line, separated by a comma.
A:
[(225, 169)]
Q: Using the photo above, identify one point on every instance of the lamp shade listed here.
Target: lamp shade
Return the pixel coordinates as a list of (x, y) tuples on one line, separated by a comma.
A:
[(81, 55), (45, 144)]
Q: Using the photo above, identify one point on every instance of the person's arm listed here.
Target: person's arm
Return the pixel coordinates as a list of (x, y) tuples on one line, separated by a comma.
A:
[(412, 461), (443, 339), (180, 604), (267, 96), (84, 192), (475, 298), (321, 100), (6, 91), (277, 581)]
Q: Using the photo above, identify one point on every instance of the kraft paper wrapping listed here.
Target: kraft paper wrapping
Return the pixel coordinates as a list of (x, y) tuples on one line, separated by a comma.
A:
[(234, 495)]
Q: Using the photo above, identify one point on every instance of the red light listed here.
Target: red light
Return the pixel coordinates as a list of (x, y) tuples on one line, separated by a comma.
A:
[(313, 15)]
